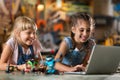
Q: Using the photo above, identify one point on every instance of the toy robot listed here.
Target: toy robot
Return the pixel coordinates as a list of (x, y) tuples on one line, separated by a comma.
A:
[(50, 62)]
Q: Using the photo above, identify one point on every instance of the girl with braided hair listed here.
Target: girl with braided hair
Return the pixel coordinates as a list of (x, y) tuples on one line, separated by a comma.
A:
[(74, 50)]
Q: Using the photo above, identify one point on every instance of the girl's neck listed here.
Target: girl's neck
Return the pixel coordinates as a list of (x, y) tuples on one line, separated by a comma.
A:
[(25, 46), (79, 46), (22, 44)]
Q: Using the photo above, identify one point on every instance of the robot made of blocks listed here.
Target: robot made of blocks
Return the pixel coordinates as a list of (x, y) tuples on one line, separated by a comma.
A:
[(50, 62)]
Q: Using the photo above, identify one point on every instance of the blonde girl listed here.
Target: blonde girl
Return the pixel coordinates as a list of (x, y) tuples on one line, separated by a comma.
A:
[(22, 44)]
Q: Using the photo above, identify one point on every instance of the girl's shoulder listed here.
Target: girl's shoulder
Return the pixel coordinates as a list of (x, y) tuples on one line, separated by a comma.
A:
[(90, 43), (68, 41), (11, 41)]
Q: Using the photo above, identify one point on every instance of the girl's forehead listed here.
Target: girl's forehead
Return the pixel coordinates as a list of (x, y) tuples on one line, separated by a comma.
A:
[(29, 29), (83, 24), (80, 21)]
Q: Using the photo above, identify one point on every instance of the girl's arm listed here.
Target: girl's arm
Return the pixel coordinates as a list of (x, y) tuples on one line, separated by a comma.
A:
[(60, 54), (6, 56)]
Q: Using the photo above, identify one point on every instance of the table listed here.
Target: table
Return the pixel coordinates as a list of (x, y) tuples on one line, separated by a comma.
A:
[(31, 76)]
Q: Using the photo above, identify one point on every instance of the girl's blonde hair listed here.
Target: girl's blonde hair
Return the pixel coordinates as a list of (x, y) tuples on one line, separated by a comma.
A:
[(22, 23)]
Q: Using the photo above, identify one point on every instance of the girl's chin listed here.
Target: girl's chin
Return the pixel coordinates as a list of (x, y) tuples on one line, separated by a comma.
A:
[(83, 40), (29, 43)]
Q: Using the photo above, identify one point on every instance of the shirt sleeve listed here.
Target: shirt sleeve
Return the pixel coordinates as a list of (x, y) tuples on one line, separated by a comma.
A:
[(11, 43), (69, 42)]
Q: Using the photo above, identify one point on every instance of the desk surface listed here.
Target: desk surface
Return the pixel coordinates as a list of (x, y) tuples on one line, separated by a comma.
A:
[(29, 76)]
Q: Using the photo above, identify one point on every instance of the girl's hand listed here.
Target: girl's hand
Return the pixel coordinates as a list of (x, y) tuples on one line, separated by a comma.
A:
[(41, 65), (80, 67), (21, 67), (77, 68), (73, 69)]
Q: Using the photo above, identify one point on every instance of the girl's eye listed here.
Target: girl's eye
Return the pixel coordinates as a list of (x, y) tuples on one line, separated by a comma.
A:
[(34, 32), (28, 32), (81, 30), (88, 30), (31, 33)]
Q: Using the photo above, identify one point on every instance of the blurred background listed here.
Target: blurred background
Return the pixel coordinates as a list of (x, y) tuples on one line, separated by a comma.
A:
[(51, 17)]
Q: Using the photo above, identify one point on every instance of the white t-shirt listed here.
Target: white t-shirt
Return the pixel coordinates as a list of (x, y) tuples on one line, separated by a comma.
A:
[(14, 47)]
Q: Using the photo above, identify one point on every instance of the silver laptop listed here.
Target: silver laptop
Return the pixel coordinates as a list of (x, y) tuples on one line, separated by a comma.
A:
[(103, 60)]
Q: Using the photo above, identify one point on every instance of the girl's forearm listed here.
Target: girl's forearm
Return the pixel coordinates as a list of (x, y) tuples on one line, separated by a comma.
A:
[(4, 66), (63, 68)]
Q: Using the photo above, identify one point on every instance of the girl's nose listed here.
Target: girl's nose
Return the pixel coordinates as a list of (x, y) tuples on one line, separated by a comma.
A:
[(85, 32), (32, 35)]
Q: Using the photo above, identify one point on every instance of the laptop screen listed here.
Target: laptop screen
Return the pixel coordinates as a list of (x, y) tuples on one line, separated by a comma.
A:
[(103, 60)]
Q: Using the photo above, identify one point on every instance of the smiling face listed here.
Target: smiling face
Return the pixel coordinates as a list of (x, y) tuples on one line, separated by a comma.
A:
[(24, 31), (82, 31), (27, 37)]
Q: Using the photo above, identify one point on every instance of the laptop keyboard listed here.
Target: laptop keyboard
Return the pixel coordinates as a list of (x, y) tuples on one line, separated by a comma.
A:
[(75, 73)]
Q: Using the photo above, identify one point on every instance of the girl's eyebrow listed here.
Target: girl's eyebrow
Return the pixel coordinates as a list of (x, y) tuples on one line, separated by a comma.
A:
[(83, 28)]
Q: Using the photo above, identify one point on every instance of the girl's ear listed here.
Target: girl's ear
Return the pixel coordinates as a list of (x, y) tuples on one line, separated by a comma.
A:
[(73, 29), (16, 32)]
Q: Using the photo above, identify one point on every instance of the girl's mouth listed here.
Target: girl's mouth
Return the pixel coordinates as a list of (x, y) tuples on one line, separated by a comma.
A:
[(84, 38)]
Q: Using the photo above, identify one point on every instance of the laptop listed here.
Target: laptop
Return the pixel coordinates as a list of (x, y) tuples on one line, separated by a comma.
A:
[(103, 60)]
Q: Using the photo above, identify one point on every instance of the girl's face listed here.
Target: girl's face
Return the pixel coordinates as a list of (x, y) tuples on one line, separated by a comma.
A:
[(27, 36), (82, 31)]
